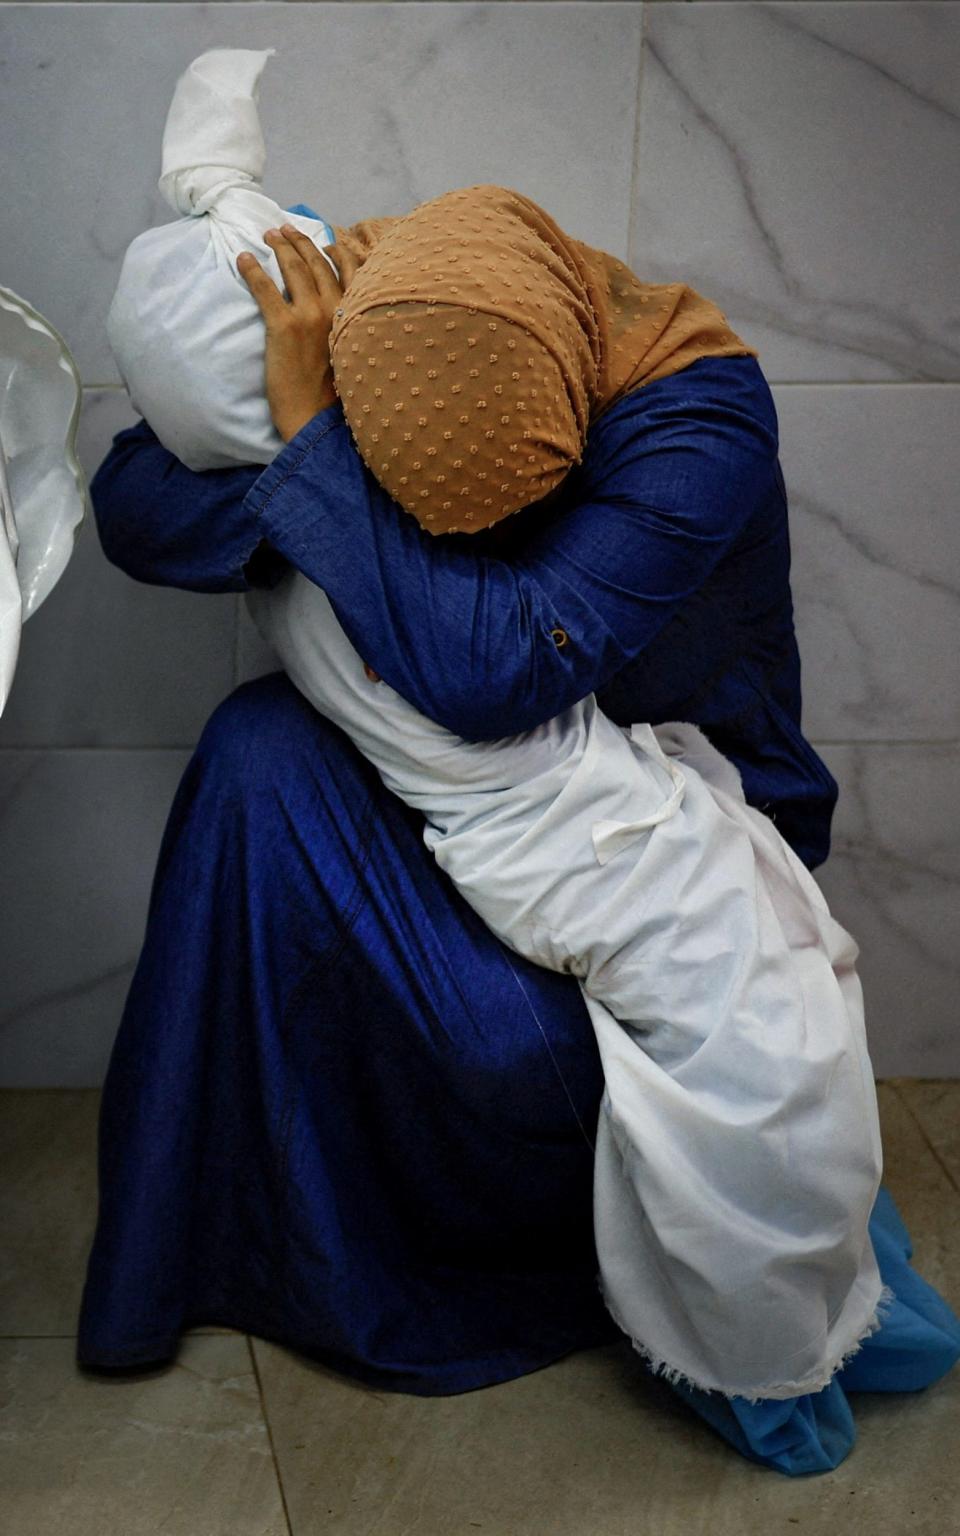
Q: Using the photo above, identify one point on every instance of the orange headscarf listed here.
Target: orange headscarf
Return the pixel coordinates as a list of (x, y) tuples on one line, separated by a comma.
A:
[(477, 342)]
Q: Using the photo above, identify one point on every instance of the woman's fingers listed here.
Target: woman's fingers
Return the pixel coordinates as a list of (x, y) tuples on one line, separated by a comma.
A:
[(315, 262), (297, 370), (305, 273), (299, 277), (262, 286), (347, 264)]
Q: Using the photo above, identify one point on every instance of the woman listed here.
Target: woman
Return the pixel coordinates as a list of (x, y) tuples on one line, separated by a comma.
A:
[(338, 1112)]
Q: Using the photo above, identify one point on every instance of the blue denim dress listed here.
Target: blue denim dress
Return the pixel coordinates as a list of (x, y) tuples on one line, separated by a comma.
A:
[(338, 1113)]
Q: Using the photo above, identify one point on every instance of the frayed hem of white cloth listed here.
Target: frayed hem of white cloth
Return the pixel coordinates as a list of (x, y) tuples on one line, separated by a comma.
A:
[(778, 1390)]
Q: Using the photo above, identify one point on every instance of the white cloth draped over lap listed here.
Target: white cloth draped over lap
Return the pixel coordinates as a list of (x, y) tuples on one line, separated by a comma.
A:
[(738, 1149), (733, 1221)]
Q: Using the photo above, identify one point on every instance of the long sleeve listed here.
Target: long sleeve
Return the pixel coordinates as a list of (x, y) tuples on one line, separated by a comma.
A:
[(669, 480), (165, 524), (670, 477), (171, 526)]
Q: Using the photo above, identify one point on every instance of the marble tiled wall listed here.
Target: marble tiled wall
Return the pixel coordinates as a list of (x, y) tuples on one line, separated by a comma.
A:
[(798, 162)]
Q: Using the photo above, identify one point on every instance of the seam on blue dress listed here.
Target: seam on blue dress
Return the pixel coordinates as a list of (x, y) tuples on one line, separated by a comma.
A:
[(311, 443), (556, 1065), (349, 917), (796, 735)]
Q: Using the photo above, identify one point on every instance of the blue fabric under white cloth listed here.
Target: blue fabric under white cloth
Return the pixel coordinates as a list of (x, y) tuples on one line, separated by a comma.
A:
[(725, 1000)]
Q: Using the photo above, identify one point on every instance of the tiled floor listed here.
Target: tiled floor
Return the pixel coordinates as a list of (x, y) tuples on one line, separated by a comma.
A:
[(242, 1438)]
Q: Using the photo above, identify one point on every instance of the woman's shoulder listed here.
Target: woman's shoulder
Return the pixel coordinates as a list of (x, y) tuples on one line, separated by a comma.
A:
[(716, 387), (701, 445), (685, 443)]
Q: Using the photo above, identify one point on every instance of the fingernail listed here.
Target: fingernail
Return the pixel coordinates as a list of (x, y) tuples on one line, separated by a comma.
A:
[(288, 229)]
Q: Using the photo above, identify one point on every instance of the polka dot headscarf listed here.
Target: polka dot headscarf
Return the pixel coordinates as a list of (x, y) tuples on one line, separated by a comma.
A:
[(477, 342)]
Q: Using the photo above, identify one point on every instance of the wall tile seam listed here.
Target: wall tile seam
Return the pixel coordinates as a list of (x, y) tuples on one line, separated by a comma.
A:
[(52, 747), (770, 378), (861, 383), (635, 165), (884, 741)]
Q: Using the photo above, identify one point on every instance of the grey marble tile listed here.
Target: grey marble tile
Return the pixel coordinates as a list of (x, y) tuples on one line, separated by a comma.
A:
[(183, 1450), (893, 880), (79, 836), (800, 165), (108, 661), (367, 109), (871, 475)]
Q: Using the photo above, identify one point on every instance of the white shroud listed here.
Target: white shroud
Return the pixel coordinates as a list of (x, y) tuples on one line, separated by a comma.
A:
[(738, 1149)]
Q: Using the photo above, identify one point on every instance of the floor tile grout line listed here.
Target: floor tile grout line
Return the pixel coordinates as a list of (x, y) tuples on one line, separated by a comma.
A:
[(924, 1134), (7, 1337), (198, 1333), (266, 1421)]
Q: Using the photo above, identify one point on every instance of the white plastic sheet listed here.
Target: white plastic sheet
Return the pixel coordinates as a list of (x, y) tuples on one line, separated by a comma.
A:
[(43, 493)]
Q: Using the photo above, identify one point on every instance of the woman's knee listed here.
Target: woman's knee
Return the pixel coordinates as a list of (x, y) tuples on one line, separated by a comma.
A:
[(266, 729)]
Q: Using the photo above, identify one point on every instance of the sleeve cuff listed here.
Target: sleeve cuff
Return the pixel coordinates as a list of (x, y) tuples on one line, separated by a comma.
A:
[(289, 460)]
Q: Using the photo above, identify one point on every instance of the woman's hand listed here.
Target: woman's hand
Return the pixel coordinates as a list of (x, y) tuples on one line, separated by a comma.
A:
[(299, 378)]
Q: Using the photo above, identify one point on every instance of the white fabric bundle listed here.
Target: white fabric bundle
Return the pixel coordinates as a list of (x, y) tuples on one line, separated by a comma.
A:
[(738, 1151), (185, 330)]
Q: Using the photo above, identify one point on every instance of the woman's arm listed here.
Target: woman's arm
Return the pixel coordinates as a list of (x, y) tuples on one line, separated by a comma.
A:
[(177, 527), (669, 479), (195, 530)]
